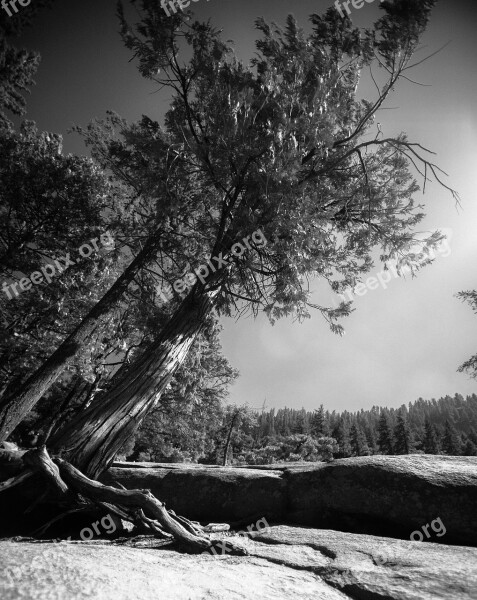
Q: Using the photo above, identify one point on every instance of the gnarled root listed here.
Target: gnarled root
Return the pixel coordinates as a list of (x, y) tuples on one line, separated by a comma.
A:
[(140, 507)]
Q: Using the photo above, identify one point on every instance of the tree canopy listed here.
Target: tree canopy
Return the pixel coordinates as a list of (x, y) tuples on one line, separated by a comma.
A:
[(284, 144)]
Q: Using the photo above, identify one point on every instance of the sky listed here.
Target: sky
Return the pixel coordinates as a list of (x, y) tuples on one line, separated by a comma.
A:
[(402, 342)]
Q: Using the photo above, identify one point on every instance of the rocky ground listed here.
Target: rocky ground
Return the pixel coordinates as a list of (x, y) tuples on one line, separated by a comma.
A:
[(284, 562)]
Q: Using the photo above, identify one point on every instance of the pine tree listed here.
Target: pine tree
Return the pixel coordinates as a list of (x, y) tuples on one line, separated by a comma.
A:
[(473, 435), (341, 435), (469, 449), (301, 423), (371, 439), (358, 441), (450, 443), (402, 435), (385, 440), (271, 423), (430, 442), (319, 423)]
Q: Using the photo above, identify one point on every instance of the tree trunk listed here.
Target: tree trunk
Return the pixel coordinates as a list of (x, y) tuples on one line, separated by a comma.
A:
[(92, 439), (227, 443), (17, 404)]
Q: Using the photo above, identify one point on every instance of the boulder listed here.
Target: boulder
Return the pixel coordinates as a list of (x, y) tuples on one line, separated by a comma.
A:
[(380, 495), (208, 493), (390, 495), (394, 496)]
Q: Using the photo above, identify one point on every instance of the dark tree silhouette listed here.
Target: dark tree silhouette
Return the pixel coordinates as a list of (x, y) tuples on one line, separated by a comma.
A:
[(402, 435)]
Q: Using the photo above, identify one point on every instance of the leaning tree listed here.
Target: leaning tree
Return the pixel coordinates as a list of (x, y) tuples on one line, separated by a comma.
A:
[(263, 177)]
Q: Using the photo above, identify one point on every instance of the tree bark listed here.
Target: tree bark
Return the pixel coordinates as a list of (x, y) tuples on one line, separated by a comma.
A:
[(17, 404), (92, 439)]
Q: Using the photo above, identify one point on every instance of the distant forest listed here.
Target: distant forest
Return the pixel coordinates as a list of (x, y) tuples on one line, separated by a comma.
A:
[(239, 435)]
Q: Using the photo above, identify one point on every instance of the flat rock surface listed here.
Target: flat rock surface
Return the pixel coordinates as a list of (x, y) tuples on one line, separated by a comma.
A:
[(284, 562)]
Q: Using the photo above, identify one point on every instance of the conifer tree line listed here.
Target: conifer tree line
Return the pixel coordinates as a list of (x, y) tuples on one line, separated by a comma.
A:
[(444, 426)]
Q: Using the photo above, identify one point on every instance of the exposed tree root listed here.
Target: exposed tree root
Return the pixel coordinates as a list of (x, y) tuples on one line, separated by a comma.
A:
[(39, 460), (13, 481), (151, 526), (140, 507), (38, 500), (142, 499)]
